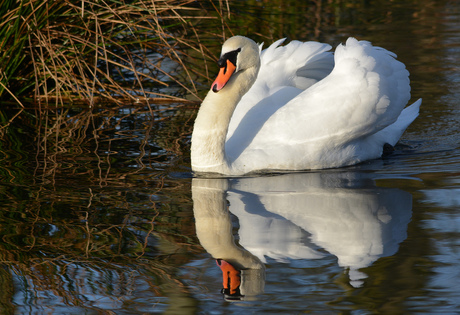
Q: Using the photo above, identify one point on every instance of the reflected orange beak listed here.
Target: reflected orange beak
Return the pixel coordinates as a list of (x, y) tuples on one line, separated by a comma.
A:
[(231, 277), (224, 75)]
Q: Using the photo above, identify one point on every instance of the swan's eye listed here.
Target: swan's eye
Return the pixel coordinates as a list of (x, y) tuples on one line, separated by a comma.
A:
[(230, 56)]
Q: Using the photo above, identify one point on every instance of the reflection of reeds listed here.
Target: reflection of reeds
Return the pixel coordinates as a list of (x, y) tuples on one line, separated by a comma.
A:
[(99, 50), (98, 218), (111, 143), (72, 240)]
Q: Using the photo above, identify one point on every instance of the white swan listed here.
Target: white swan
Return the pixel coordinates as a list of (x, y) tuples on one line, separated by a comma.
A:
[(299, 107)]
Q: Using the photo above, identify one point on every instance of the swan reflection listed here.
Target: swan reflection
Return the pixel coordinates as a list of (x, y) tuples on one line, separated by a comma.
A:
[(298, 216)]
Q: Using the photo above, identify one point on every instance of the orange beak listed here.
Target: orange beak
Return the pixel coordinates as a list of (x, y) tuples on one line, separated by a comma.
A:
[(224, 75), (231, 278)]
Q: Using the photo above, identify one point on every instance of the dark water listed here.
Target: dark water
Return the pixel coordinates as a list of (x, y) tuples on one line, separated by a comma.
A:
[(100, 214)]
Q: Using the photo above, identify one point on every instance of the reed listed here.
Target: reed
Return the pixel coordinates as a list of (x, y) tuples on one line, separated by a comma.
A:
[(118, 51)]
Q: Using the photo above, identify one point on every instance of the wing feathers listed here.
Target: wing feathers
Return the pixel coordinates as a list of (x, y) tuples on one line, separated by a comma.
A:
[(311, 113)]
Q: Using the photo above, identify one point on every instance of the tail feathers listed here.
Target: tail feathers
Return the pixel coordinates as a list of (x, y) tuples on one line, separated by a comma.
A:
[(392, 133)]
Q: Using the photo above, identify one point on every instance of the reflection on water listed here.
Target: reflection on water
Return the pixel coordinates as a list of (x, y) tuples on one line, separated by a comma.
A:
[(299, 216), (96, 214), (214, 230)]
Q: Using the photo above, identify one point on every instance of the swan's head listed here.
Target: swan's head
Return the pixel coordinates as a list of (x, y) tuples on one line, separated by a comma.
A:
[(239, 53)]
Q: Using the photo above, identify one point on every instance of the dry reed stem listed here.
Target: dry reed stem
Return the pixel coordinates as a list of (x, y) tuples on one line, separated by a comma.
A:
[(74, 49)]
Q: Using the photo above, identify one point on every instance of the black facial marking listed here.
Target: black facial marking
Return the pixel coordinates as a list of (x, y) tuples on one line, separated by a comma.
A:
[(231, 56)]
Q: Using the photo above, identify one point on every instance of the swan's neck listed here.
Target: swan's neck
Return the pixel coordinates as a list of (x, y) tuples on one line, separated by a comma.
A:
[(211, 124)]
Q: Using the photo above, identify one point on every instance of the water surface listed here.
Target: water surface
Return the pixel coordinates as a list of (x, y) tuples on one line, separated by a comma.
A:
[(101, 214)]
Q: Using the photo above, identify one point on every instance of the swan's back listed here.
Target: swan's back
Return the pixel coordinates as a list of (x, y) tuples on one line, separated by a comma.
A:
[(297, 115), (292, 69)]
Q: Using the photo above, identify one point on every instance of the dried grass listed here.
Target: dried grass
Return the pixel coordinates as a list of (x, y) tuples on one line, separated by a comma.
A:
[(115, 51)]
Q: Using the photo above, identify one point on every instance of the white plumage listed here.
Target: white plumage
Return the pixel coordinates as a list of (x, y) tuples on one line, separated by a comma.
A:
[(300, 107)]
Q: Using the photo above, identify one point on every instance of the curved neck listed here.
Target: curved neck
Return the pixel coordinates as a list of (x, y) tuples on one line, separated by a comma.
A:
[(211, 124)]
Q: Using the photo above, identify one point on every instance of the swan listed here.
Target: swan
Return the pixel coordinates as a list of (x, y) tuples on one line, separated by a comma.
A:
[(300, 107)]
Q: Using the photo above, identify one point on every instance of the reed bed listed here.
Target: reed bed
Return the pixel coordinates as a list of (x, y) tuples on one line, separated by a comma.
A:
[(57, 52)]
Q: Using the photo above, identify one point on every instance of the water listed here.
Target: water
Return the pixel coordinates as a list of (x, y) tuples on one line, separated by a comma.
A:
[(100, 213)]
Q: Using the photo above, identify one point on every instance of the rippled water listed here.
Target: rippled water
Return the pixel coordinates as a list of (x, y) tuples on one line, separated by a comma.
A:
[(115, 223)]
